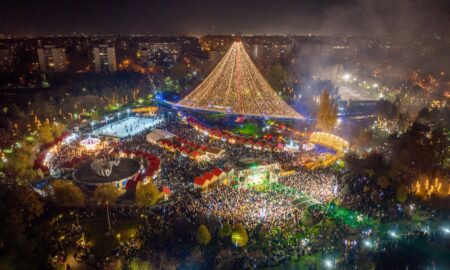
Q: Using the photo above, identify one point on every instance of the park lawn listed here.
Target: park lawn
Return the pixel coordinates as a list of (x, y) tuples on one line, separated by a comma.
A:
[(248, 129), (215, 115)]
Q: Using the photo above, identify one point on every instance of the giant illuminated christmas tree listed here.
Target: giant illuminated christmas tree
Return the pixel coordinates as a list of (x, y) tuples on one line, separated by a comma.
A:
[(235, 86)]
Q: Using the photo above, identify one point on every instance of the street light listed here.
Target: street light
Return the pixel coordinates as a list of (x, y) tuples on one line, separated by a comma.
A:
[(393, 234), (118, 115), (60, 239), (346, 77), (58, 218), (328, 263), (128, 112), (92, 125), (146, 218), (106, 119), (367, 243)]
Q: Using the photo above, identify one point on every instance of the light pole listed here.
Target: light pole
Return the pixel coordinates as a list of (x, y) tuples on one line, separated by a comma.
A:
[(118, 115), (146, 218), (76, 217), (107, 209), (57, 220), (128, 112), (60, 239), (92, 125), (78, 220), (106, 119)]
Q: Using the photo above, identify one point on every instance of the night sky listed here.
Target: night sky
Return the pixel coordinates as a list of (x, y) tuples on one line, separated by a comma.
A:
[(403, 18)]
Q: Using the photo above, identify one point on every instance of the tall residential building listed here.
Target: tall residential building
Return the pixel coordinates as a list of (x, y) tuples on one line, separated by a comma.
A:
[(7, 59), (103, 59), (148, 51), (52, 59)]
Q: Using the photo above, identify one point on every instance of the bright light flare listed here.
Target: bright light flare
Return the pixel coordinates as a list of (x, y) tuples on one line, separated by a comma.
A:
[(328, 263), (367, 243), (393, 234), (346, 77)]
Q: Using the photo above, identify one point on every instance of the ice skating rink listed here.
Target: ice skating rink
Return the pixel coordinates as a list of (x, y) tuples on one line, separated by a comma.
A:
[(127, 126)]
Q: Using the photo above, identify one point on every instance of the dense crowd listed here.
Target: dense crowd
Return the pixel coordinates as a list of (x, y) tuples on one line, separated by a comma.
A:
[(251, 207), (320, 184), (246, 206)]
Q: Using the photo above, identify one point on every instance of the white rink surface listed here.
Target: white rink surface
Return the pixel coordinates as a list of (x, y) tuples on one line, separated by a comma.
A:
[(127, 127)]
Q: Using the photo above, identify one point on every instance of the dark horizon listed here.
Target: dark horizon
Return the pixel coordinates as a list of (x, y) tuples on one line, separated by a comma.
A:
[(400, 19)]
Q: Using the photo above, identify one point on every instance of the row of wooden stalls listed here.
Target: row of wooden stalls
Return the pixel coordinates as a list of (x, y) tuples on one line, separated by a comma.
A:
[(173, 143), (212, 178)]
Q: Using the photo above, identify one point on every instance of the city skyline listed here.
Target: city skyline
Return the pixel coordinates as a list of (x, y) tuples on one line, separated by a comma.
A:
[(346, 17)]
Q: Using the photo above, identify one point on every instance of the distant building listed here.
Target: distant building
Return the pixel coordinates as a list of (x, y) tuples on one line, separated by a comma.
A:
[(52, 59), (265, 51), (103, 59), (152, 51), (216, 43), (7, 59), (256, 51)]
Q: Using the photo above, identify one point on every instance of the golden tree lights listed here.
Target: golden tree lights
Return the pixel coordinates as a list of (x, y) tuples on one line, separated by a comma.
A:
[(426, 187), (236, 86)]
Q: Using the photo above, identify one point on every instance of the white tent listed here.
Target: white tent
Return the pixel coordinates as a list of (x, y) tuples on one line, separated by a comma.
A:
[(158, 134)]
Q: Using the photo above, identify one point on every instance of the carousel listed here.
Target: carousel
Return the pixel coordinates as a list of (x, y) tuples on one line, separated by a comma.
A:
[(90, 144), (108, 170)]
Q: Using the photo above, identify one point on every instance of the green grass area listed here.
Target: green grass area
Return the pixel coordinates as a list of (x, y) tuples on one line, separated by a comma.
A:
[(349, 217), (313, 261), (249, 129), (214, 115)]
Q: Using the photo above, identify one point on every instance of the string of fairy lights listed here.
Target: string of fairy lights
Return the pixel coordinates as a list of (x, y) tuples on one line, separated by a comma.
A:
[(236, 86)]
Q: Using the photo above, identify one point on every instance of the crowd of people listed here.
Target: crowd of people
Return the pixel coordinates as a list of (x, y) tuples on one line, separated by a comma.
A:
[(320, 184), (222, 203), (246, 206), (74, 245)]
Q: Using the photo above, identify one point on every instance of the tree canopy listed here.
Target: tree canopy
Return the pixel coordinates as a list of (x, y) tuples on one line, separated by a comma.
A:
[(420, 151), (67, 194), (22, 232), (203, 235), (138, 264), (327, 114), (104, 193), (147, 195), (239, 236), (225, 231), (277, 77)]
